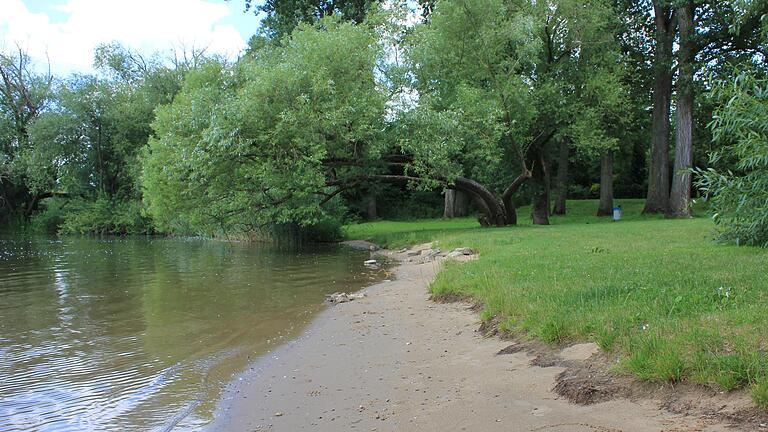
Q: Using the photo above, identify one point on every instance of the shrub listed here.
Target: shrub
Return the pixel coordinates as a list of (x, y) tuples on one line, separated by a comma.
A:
[(103, 216), (739, 196)]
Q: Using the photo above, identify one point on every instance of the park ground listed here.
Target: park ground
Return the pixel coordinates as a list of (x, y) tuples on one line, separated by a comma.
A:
[(661, 296)]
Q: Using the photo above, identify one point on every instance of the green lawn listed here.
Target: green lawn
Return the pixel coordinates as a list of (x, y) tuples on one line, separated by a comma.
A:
[(661, 294)]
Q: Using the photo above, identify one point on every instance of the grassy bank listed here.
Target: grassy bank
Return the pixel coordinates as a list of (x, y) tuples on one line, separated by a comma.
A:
[(671, 303)]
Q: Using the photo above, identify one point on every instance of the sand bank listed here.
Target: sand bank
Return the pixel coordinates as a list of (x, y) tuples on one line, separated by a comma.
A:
[(396, 361)]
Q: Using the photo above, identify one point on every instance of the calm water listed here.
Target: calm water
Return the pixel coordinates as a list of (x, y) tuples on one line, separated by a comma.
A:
[(142, 334)]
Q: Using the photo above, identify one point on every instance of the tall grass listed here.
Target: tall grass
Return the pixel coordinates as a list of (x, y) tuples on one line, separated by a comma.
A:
[(665, 298)]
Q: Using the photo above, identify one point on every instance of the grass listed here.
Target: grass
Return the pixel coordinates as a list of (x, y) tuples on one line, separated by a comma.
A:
[(671, 303)]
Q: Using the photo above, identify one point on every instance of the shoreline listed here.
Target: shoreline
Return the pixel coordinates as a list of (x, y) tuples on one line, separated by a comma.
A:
[(395, 360)]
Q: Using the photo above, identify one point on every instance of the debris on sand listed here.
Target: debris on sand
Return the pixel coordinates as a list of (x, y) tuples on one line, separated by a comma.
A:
[(422, 254), (372, 264), (341, 297), (361, 245), (461, 251)]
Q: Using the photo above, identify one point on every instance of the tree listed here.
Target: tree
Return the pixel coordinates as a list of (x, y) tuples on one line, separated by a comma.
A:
[(562, 177), (680, 196), (739, 195), (665, 22), (272, 139), (283, 16), (83, 150), (24, 94), (498, 81), (710, 32)]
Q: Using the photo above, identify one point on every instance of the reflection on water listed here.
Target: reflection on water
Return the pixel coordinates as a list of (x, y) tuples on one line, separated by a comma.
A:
[(143, 333)]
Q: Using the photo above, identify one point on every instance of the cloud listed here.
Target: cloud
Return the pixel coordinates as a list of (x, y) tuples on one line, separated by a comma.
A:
[(146, 25)]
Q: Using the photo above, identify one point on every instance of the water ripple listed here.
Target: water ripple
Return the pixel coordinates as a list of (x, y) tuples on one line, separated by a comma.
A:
[(127, 334)]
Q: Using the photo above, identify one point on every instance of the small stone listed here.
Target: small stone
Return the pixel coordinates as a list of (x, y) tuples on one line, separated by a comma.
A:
[(278, 414)]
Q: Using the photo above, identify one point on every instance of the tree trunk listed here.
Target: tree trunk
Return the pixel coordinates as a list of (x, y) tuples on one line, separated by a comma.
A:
[(562, 178), (371, 209), (680, 197), (450, 204), (657, 200), (540, 211), (509, 192), (606, 184), (456, 204), (493, 208), (461, 204)]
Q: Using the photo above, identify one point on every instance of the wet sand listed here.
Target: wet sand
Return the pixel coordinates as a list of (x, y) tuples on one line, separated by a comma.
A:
[(396, 361)]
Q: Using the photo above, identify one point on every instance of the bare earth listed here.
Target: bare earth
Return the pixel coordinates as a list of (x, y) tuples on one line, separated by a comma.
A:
[(396, 361)]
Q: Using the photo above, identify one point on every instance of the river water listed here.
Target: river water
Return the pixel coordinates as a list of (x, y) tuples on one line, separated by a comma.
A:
[(143, 334)]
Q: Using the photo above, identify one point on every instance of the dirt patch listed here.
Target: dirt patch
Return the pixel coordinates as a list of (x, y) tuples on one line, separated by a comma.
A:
[(361, 245), (586, 383), (588, 378), (452, 298), (582, 351), (735, 407), (512, 349)]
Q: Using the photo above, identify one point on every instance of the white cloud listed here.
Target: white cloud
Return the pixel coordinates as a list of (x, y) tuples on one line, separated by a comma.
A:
[(146, 25)]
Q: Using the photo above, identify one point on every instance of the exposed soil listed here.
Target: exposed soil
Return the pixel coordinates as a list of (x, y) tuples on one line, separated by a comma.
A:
[(396, 361), (587, 379)]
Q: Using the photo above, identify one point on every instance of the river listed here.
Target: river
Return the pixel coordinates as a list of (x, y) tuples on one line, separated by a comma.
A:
[(143, 334)]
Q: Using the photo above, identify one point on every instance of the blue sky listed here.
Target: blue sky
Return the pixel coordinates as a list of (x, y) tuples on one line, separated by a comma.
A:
[(67, 31)]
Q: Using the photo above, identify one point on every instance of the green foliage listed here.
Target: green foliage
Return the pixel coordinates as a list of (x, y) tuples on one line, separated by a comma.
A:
[(105, 216), (101, 216), (283, 16), (244, 147), (738, 191), (760, 393), (493, 77)]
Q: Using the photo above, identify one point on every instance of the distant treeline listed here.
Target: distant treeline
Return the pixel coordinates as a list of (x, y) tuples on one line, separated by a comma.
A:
[(345, 110)]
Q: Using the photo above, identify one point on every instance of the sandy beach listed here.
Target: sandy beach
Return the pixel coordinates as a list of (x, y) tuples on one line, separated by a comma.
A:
[(396, 361)]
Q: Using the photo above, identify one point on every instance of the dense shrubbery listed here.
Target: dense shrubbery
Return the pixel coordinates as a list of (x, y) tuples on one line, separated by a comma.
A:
[(103, 216)]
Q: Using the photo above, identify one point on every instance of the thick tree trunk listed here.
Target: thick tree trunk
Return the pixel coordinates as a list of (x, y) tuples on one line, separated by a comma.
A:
[(606, 184), (680, 197), (492, 207), (562, 178), (449, 204), (540, 211), (494, 210), (371, 209), (657, 200), (509, 192), (461, 204), (456, 204)]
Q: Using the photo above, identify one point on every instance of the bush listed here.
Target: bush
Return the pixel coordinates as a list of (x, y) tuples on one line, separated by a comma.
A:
[(739, 195), (51, 216), (103, 216)]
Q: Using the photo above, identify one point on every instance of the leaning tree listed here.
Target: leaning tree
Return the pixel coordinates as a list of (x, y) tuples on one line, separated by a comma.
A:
[(497, 81)]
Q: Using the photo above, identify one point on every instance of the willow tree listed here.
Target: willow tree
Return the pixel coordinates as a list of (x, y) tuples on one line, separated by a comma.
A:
[(738, 193), (497, 81), (272, 139)]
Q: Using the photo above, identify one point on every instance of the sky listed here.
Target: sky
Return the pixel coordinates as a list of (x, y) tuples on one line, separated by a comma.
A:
[(67, 31)]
